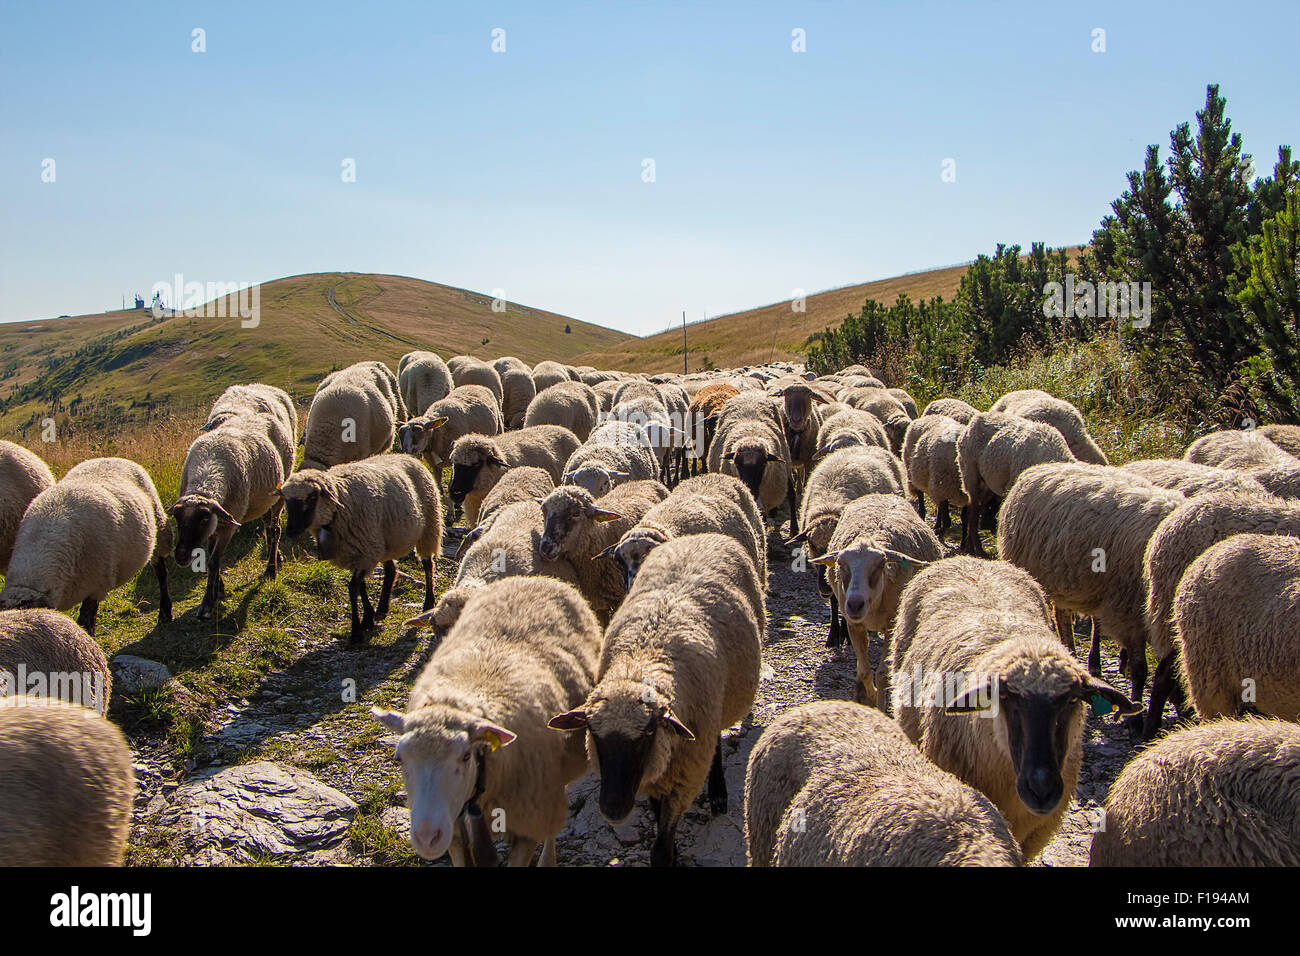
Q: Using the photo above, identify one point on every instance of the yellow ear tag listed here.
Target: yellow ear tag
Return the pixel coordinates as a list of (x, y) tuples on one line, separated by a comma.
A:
[(493, 739)]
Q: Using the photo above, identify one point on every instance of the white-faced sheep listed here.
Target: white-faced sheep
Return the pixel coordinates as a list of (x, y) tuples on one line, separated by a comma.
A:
[(474, 737), (878, 545), (546, 374), (366, 513), (930, 460), (845, 426), (891, 412), (468, 410), (23, 476), (570, 405), (353, 415), (45, 654), (468, 370), (66, 785), (750, 443), (614, 453), (699, 505), (680, 664), (1226, 793), (1235, 623), (1187, 533), (90, 533), (479, 461), (1039, 406), (578, 528), (952, 407), (230, 476), (1193, 479), (984, 687), (992, 452), (423, 378), (833, 783)]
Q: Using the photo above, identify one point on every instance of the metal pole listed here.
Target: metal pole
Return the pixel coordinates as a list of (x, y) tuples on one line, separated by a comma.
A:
[(685, 369)]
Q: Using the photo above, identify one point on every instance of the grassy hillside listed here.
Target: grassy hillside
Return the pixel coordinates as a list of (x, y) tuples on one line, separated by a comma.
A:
[(127, 363)]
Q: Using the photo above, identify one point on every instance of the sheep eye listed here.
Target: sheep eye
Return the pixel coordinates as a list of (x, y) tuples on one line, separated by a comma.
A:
[(464, 758)]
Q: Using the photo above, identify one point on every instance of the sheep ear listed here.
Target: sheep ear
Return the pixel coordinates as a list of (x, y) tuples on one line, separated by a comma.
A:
[(607, 553), (493, 735), (729, 456), (420, 620), (978, 698), (225, 517), (669, 718), (573, 720), (279, 490), (828, 559), (497, 461), (394, 720), (208, 426), (801, 536), (1107, 700), (775, 458), (473, 535), (436, 423), (601, 515), (820, 399)]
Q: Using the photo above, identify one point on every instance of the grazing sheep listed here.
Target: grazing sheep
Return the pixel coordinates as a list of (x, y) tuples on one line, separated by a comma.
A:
[(891, 412), (271, 405), (699, 505), (45, 654), (365, 513), (468, 410), (1082, 532), (679, 664), (878, 545), (1236, 620), (570, 405), (833, 783), (89, 533), (479, 461), (703, 422), (930, 460), (1230, 448), (231, 476), (1193, 479), (519, 390), (423, 378), (353, 415), (578, 529), (847, 426), (649, 410), (1187, 533), (1286, 437), (474, 738), (991, 454), (605, 394), (614, 453), (750, 443), (525, 483), (546, 374), (23, 476), (1039, 406), (467, 370), (66, 785), (1010, 719), (1221, 794), (906, 400), (952, 407)]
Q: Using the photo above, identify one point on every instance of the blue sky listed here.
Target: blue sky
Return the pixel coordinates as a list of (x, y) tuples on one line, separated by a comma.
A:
[(522, 170)]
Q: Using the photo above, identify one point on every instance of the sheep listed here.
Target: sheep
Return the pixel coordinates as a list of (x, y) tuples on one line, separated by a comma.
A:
[(1193, 479), (1039, 406), (605, 394), (952, 407), (879, 543), (265, 402), (524, 483), (642, 403), (468, 370), (750, 443), (843, 426), (571, 405), (474, 740), (578, 529), (504, 545), (23, 476), (930, 460), (478, 461), (353, 415), (365, 513), (66, 785), (678, 404), (89, 533), (1082, 532), (705, 503), (832, 783), (1186, 534), (48, 648), (546, 374), (615, 452), (679, 664), (803, 421), (906, 400), (891, 412), (1230, 448), (467, 410), (230, 477), (1009, 721), (519, 390), (1221, 794), (423, 378), (993, 450), (594, 377), (1235, 625), (703, 422), (1286, 437)]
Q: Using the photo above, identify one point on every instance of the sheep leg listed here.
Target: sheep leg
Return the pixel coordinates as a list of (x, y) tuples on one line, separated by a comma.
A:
[(944, 517), (548, 853), (86, 616), (920, 505), (990, 516), (386, 593), (667, 814), (1065, 628), (271, 521), (164, 599), (1161, 687), (836, 636), (521, 851), (794, 511), (1094, 653), (971, 529), (212, 593), (427, 565), (717, 788)]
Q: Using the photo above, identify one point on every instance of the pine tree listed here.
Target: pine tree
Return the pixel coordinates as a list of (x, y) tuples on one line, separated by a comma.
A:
[(1270, 300)]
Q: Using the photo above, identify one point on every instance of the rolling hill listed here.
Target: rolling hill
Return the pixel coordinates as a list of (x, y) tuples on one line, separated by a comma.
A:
[(123, 361)]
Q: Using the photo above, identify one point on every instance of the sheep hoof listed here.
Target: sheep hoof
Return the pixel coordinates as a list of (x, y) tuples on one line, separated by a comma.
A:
[(205, 612), (718, 805), (164, 615)]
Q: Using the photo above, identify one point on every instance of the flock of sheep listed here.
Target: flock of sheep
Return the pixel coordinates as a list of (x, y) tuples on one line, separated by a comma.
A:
[(608, 609)]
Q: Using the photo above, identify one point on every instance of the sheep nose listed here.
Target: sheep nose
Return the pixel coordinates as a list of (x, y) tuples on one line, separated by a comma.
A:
[(548, 548), (855, 607), (427, 835), (1044, 786)]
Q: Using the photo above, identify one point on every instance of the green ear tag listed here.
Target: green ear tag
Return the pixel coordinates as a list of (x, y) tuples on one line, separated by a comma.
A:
[(1101, 706)]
